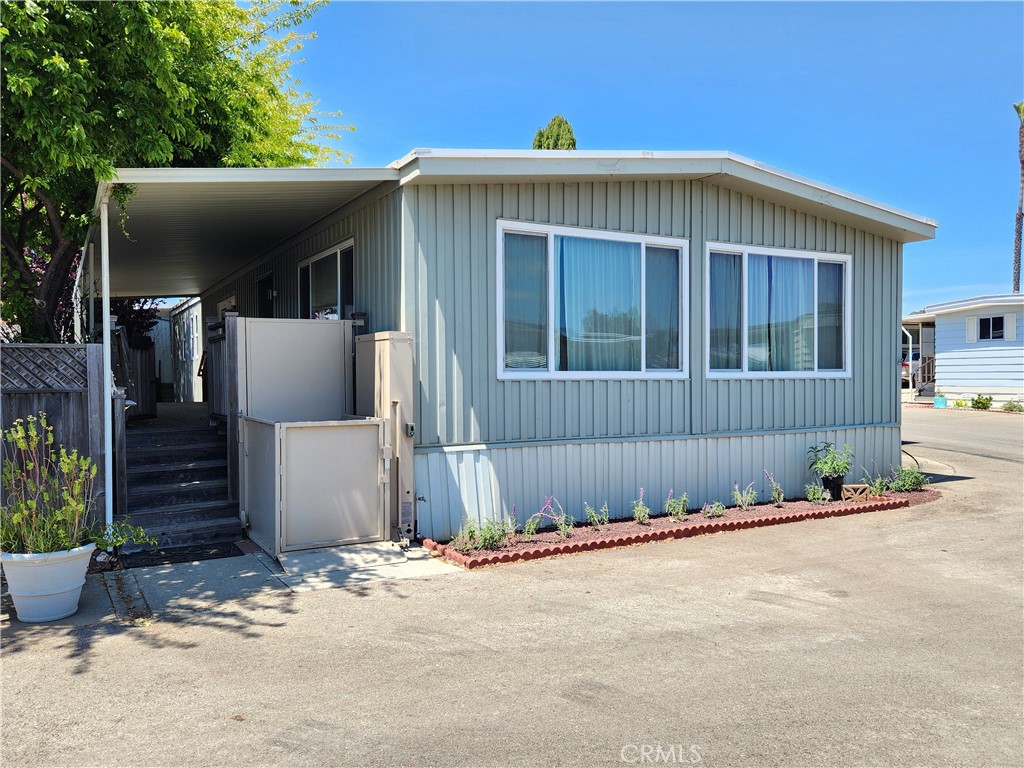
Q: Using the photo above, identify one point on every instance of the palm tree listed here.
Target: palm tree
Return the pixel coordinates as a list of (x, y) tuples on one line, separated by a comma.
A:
[(1019, 106)]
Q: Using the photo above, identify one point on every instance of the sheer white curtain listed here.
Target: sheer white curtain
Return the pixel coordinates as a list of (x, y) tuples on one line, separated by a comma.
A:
[(726, 312), (780, 307), (597, 304)]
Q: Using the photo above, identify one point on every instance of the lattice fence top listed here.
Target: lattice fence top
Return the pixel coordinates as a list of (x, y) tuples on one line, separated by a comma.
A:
[(43, 368)]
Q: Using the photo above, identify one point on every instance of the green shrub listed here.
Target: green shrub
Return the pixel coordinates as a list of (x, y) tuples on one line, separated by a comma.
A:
[(817, 494), (1013, 406), (495, 534), (827, 461), (596, 519), (778, 495), (714, 509), (564, 524), (468, 537), (675, 506), (118, 534), (960, 403), (981, 402), (530, 527), (907, 479), (48, 491), (743, 499), (641, 512), (877, 485)]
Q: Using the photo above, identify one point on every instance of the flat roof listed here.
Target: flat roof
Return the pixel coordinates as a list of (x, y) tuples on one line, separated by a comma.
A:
[(187, 228)]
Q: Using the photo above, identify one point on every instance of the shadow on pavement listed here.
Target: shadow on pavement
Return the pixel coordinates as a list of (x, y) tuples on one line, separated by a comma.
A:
[(234, 595)]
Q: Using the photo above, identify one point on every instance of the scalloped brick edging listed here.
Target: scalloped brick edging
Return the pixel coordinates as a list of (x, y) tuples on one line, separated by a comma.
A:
[(676, 532)]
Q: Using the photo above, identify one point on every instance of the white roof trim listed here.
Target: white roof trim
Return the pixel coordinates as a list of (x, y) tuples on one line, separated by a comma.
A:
[(532, 162), (253, 175), (966, 305)]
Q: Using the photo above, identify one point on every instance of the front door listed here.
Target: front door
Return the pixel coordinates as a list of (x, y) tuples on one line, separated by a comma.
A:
[(265, 296)]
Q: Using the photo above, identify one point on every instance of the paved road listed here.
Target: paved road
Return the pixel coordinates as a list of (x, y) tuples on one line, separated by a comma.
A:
[(892, 638)]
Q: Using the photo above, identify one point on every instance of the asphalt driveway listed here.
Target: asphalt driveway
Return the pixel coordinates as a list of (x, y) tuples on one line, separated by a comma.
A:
[(892, 638)]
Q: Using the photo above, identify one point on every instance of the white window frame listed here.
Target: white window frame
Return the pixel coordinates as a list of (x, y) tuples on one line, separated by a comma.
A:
[(682, 245), (336, 250), (817, 257), (990, 318)]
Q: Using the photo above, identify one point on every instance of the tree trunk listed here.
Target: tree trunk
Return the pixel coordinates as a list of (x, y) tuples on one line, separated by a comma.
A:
[(49, 291)]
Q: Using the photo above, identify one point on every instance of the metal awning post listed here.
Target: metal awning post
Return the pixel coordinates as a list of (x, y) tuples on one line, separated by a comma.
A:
[(92, 292), (108, 383), (910, 358)]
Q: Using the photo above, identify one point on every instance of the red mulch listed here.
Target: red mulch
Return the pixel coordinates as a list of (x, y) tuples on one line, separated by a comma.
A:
[(624, 528)]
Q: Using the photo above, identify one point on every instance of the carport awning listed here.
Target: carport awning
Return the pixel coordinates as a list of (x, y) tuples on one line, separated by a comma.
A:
[(187, 228)]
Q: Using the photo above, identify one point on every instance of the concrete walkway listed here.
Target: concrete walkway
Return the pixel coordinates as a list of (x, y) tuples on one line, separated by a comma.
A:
[(180, 590), (884, 639)]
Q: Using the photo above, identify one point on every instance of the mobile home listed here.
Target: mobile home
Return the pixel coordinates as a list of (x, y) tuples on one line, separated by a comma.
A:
[(583, 324)]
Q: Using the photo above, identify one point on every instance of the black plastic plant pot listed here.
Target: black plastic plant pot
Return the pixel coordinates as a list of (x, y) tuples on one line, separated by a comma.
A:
[(834, 485)]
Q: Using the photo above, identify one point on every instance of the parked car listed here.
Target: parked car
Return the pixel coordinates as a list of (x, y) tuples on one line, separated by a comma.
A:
[(911, 366)]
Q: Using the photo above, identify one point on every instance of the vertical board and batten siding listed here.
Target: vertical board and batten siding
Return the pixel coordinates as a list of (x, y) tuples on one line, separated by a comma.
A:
[(451, 255), (484, 445), (983, 367), (376, 231)]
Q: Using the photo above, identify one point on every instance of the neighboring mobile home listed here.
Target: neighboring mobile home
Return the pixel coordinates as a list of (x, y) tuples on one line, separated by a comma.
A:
[(979, 346), (584, 324)]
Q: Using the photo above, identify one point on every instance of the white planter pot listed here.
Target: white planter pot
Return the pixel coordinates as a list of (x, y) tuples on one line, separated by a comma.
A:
[(46, 586)]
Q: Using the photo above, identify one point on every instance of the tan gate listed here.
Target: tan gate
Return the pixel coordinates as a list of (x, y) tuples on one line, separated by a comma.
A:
[(315, 484)]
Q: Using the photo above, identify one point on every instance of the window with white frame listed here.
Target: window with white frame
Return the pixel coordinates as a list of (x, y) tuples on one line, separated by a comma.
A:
[(590, 304), (325, 285), (991, 328), (774, 312)]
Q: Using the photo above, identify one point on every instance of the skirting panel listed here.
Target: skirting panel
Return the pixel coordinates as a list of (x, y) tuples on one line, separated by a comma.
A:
[(481, 482)]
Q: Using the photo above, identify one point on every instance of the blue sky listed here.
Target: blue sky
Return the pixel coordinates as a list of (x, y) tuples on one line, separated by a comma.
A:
[(906, 103)]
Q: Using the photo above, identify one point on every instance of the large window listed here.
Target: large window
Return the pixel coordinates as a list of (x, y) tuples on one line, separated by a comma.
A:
[(589, 304), (777, 313), (325, 285)]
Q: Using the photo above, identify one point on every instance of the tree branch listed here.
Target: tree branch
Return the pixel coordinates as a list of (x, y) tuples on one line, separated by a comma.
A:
[(22, 222), (52, 214), (17, 258), (9, 199)]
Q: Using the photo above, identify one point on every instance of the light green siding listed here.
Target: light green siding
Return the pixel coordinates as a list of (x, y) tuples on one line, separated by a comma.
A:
[(372, 221), (449, 244), (483, 482)]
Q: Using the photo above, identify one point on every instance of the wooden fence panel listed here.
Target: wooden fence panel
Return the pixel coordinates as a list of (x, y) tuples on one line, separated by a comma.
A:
[(65, 381)]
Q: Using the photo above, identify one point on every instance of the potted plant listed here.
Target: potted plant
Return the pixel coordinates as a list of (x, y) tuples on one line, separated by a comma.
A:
[(939, 401), (45, 541), (830, 465)]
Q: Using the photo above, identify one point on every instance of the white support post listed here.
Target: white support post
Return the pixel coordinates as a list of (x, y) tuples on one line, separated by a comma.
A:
[(92, 292), (910, 361), (108, 382)]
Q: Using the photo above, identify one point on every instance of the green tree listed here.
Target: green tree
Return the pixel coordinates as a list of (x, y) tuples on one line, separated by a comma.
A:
[(1019, 108), (556, 135), (88, 87)]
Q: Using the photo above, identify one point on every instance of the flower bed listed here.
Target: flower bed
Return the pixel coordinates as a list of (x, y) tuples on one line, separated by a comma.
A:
[(622, 533)]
